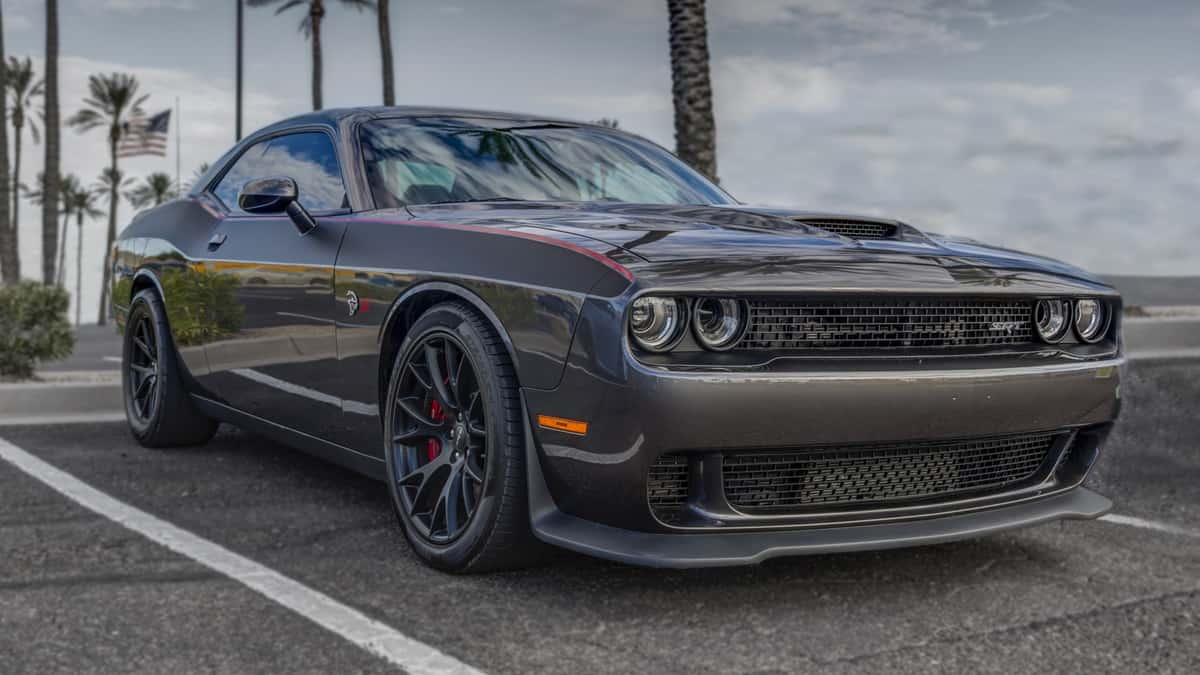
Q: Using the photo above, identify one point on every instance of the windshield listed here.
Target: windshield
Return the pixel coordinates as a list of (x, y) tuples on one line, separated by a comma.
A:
[(438, 161)]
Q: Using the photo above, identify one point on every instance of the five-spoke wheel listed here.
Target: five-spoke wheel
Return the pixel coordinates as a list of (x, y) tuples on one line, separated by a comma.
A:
[(142, 365)]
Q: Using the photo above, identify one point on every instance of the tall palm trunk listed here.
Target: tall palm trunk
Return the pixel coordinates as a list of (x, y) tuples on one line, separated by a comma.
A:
[(60, 279), (385, 49), (78, 265), (16, 188), (10, 257), (695, 131), (114, 135), (51, 169), (315, 14)]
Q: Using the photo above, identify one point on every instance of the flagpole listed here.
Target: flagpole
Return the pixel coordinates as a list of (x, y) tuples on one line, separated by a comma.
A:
[(178, 156), (237, 117)]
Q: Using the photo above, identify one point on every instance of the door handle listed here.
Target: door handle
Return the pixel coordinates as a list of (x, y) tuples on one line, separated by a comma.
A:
[(216, 241)]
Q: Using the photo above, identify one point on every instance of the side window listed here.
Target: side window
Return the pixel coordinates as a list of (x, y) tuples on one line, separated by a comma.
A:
[(307, 158), (245, 168)]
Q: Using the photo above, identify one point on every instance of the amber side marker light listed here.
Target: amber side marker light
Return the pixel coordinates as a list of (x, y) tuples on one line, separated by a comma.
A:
[(561, 424)]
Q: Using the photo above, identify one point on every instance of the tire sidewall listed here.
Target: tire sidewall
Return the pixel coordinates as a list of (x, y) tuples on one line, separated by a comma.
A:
[(457, 553)]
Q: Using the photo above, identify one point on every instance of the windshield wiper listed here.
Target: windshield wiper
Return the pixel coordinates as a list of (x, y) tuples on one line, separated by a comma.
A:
[(481, 199)]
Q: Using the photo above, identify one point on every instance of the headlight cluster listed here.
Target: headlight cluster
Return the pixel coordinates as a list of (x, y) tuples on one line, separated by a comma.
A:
[(658, 323), (1089, 317)]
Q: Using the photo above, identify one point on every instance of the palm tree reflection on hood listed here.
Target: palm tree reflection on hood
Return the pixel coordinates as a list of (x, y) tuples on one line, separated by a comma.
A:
[(511, 149)]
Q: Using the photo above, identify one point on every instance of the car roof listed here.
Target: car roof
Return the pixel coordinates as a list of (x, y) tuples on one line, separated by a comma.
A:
[(332, 116)]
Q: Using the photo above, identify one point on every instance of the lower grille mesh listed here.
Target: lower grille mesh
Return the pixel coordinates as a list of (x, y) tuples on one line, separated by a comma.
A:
[(667, 486), (848, 476)]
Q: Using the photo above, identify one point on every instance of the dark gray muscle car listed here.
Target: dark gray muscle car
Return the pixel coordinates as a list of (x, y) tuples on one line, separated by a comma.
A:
[(538, 331)]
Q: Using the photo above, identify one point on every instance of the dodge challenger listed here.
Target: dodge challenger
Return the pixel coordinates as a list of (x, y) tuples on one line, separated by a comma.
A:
[(537, 331)]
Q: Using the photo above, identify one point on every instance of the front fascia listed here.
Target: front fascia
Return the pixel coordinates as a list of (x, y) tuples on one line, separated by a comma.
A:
[(636, 412)]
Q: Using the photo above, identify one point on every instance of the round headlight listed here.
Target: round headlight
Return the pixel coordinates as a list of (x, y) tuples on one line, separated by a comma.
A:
[(718, 322), (1091, 319), (657, 323), (1052, 319)]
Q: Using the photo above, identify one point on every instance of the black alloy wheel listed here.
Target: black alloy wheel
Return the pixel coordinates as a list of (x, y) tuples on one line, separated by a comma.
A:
[(439, 440), (142, 366), (454, 439)]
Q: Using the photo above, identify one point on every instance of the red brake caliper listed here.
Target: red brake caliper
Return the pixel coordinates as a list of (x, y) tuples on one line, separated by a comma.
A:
[(433, 446)]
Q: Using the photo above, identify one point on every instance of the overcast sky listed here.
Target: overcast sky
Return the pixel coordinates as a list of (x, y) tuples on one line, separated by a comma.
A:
[(1067, 128)]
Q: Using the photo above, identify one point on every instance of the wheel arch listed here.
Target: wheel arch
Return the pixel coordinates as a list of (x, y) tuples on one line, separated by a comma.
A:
[(415, 301), (142, 280)]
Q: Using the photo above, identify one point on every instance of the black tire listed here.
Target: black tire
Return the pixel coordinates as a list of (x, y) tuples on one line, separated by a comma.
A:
[(496, 534), (157, 405)]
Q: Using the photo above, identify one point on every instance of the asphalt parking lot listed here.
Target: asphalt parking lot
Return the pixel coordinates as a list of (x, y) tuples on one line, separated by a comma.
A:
[(80, 593)]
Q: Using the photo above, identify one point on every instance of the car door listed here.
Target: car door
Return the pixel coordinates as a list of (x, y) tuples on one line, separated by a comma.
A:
[(278, 354)]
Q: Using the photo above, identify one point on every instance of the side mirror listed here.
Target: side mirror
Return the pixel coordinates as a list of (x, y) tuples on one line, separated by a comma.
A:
[(276, 195)]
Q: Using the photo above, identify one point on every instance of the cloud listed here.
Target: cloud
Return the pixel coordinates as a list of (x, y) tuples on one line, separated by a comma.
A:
[(18, 22), (135, 6), (1131, 145), (1039, 95), (755, 86), (872, 139), (856, 26)]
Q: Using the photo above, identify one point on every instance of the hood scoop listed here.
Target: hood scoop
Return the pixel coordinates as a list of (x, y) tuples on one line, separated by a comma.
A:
[(854, 229)]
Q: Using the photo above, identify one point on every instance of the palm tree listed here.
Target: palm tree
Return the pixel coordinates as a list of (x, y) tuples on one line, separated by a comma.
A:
[(196, 176), (385, 51), (70, 185), (112, 100), (83, 205), (152, 191), (311, 26), (24, 87), (10, 257), (695, 131), (51, 164), (110, 184), (66, 185)]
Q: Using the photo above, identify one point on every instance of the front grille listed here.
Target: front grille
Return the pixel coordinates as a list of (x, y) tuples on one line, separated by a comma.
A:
[(849, 476), (887, 324), (667, 486), (855, 229)]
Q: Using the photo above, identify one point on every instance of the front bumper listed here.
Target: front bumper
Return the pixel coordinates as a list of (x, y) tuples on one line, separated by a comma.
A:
[(595, 485)]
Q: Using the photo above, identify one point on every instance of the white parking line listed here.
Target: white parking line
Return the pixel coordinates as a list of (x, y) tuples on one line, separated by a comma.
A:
[(375, 637), (1134, 521)]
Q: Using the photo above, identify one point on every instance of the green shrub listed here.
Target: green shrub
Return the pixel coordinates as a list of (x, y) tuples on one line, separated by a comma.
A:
[(33, 327)]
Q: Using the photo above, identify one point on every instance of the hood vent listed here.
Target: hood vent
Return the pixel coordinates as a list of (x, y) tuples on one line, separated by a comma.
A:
[(854, 229)]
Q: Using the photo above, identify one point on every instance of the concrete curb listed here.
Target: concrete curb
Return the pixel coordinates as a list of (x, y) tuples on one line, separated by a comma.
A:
[(36, 399)]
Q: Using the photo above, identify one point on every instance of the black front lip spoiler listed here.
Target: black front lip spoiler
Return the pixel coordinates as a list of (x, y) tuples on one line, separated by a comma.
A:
[(746, 548), (724, 549)]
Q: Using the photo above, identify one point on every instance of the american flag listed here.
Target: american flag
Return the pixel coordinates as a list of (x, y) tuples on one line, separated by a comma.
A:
[(145, 136)]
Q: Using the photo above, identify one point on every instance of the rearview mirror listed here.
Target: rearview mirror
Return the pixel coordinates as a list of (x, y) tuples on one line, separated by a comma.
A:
[(276, 195)]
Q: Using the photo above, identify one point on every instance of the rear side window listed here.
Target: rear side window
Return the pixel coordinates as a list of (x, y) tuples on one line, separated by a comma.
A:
[(307, 158)]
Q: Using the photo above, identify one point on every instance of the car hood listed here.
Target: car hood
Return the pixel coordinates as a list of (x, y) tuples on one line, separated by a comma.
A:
[(673, 234)]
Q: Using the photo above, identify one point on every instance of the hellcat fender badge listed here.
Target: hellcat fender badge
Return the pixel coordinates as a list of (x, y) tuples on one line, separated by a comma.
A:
[(352, 302)]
